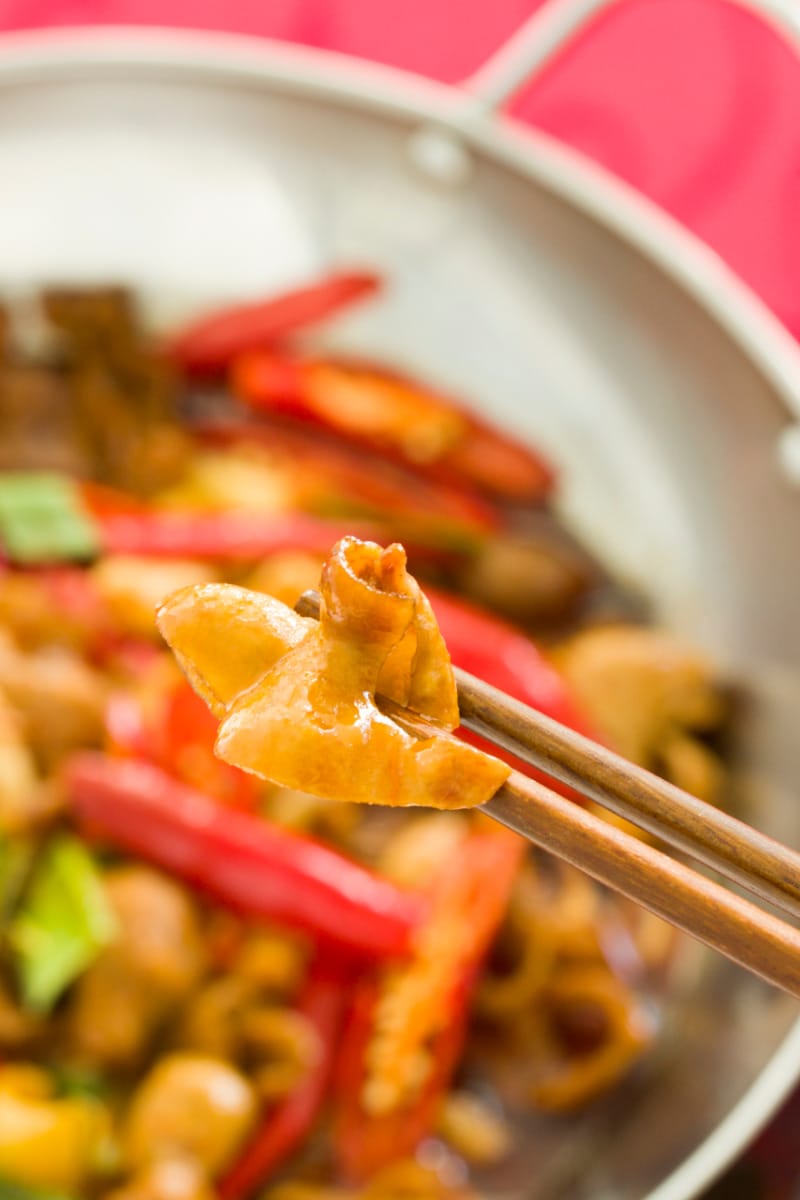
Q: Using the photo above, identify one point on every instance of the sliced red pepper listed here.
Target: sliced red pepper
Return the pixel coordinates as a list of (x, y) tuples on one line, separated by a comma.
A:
[(500, 465), (286, 1126), (207, 345), (467, 905), (127, 727), (394, 415), (335, 476), (177, 733), (188, 734), (363, 1144), (240, 859), (226, 536), (500, 654), (99, 499)]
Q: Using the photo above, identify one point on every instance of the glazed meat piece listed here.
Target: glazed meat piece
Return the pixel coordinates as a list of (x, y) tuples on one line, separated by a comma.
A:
[(651, 696), (123, 396), (131, 447), (94, 318), (18, 1028), (100, 326), (37, 426), (59, 698), (306, 718), (139, 980), (536, 578)]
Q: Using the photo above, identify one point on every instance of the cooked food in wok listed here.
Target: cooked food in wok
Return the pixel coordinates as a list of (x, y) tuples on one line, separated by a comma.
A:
[(220, 975)]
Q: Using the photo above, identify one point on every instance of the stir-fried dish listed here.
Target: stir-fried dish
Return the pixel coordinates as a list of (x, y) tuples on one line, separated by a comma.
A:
[(256, 937)]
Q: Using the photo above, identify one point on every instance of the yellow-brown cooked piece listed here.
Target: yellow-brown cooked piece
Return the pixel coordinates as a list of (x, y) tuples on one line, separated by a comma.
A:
[(189, 1106), (138, 981), (653, 698), (297, 697)]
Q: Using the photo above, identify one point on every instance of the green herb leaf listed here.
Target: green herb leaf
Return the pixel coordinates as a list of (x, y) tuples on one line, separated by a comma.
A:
[(42, 518), (62, 924)]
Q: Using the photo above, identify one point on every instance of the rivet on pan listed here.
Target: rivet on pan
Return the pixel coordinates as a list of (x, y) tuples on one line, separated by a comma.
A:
[(440, 156), (789, 453)]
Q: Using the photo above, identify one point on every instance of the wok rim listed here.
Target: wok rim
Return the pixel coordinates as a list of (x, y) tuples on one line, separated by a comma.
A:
[(43, 55)]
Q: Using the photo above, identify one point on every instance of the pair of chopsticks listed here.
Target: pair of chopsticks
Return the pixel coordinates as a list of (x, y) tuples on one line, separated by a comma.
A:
[(736, 927)]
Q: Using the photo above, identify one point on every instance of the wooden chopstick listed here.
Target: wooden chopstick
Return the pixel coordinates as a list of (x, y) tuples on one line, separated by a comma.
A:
[(729, 923), (726, 922), (734, 926), (753, 860)]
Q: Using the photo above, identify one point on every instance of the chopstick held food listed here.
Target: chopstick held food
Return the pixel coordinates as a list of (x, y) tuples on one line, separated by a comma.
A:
[(354, 978), (308, 719)]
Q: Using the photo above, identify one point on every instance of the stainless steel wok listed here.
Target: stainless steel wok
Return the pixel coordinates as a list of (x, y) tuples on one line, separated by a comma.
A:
[(200, 168)]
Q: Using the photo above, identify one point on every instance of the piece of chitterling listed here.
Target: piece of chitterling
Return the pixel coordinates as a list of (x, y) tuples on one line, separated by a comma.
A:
[(296, 698)]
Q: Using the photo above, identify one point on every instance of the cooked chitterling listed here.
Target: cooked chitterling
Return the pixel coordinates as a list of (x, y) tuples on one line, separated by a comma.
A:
[(297, 698)]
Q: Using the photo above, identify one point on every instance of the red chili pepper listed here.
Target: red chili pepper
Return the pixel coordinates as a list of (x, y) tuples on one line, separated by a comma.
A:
[(100, 499), (331, 475), (502, 655), (226, 535), (285, 1127), (208, 345), (127, 727), (178, 734), (467, 906), (363, 1144), (240, 859), (188, 734), (394, 415)]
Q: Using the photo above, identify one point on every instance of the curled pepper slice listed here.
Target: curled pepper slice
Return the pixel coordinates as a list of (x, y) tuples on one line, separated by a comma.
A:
[(308, 718), (393, 415), (407, 1028), (238, 858), (210, 343)]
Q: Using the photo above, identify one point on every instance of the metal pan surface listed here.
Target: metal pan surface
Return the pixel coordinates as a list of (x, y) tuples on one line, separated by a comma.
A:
[(198, 168)]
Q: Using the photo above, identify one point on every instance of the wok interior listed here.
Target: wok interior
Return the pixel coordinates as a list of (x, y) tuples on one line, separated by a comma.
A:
[(194, 189)]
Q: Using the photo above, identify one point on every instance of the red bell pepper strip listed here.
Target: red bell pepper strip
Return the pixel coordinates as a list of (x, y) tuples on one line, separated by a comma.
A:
[(505, 657), (127, 728), (285, 1127), (393, 415), (467, 905), (99, 499), (208, 345), (185, 744), (333, 475), (177, 733), (240, 859), (363, 1144), (225, 536)]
